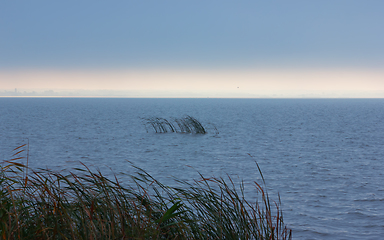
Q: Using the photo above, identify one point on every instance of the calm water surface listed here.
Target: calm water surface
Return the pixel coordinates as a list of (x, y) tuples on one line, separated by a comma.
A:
[(324, 156)]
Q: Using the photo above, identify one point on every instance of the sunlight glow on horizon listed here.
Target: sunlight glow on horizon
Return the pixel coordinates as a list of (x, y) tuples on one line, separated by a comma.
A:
[(223, 83)]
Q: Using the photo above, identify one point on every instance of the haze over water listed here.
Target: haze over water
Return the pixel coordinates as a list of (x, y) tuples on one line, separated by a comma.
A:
[(323, 156), (251, 49)]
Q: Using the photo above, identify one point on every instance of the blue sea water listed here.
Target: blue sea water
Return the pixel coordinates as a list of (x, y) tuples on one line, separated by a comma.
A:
[(325, 157)]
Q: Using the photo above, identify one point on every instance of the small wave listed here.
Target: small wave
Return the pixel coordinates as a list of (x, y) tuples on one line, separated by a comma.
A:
[(369, 200)]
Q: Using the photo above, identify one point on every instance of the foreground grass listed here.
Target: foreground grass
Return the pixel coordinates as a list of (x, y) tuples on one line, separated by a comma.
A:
[(87, 205)]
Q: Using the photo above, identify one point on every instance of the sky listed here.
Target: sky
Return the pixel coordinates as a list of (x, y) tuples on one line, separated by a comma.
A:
[(193, 48)]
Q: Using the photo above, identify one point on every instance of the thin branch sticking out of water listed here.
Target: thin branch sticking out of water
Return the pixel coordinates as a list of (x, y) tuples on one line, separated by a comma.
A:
[(187, 124)]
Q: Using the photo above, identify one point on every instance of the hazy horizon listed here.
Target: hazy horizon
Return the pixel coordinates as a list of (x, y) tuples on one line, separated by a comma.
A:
[(173, 49)]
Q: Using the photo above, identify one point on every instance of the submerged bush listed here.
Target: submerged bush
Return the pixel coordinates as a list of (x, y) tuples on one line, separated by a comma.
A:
[(186, 124), (86, 205)]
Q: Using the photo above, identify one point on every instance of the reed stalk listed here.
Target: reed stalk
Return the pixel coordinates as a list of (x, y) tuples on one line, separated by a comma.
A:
[(85, 204), (186, 124)]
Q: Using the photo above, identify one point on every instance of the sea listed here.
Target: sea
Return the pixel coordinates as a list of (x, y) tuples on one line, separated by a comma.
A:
[(324, 158)]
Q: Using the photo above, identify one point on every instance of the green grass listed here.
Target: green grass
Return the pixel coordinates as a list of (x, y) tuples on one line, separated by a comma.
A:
[(85, 204)]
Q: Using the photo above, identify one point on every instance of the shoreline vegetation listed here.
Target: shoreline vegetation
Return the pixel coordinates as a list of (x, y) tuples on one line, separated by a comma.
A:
[(84, 204)]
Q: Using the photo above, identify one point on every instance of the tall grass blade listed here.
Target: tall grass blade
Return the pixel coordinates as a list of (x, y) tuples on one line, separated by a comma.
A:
[(186, 124), (87, 205)]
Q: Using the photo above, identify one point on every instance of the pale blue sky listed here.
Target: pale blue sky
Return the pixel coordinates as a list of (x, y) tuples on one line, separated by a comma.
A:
[(190, 35)]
